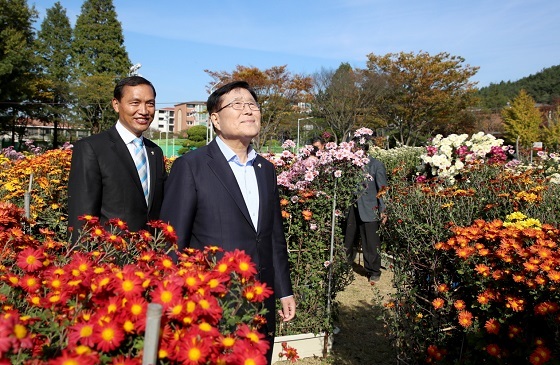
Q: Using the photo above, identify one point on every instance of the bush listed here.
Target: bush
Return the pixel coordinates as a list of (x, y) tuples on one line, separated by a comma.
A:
[(429, 281), (87, 304)]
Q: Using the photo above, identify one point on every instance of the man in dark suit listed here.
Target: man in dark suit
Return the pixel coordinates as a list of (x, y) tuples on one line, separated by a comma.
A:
[(105, 179), (226, 195), (366, 216)]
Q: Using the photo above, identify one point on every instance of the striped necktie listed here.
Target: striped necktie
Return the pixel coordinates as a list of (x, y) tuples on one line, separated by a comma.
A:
[(141, 164)]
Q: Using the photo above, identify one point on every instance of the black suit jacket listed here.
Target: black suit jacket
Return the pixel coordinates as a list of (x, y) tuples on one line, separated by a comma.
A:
[(104, 182), (204, 204)]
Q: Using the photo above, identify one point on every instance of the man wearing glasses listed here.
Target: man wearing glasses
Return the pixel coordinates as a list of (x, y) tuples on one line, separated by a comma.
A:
[(226, 195)]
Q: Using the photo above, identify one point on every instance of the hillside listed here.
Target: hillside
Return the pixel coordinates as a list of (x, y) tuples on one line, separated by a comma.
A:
[(543, 86)]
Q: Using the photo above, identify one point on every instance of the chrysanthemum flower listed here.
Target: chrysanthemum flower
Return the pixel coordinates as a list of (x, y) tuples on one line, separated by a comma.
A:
[(442, 288), (81, 333), (257, 292), (256, 338), (242, 263), (465, 318), (127, 284), (493, 350), (438, 303), (125, 360), (69, 358), (248, 355), (194, 351), (540, 356), (166, 293), (492, 326), (30, 283), (108, 337), (30, 259), (459, 305)]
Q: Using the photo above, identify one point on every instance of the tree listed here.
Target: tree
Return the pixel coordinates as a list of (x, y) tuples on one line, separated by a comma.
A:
[(16, 61), (522, 119), (345, 99), (426, 91), (279, 93), (100, 59), (53, 46), (551, 131), (196, 137)]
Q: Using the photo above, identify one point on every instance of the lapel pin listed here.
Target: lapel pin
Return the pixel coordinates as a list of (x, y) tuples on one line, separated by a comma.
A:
[(259, 165), (152, 153)]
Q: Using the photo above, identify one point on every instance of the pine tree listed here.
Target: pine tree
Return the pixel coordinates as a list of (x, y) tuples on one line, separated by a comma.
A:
[(53, 47), (16, 39), (522, 119), (100, 59)]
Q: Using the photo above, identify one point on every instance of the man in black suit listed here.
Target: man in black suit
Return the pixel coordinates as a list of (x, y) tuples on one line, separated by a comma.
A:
[(226, 195), (104, 179)]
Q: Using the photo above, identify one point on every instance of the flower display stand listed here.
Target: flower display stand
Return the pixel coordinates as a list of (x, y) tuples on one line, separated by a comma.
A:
[(306, 344)]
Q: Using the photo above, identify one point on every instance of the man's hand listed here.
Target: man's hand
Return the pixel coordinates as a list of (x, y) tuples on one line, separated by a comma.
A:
[(383, 218), (288, 311)]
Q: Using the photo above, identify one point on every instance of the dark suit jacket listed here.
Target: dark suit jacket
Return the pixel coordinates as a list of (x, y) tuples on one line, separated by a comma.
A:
[(204, 204), (369, 205), (104, 182)]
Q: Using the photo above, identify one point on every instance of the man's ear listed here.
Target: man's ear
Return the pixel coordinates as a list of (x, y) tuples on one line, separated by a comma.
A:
[(115, 104), (215, 120)]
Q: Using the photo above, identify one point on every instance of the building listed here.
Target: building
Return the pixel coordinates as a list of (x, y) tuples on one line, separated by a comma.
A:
[(164, 120), (189, 114)]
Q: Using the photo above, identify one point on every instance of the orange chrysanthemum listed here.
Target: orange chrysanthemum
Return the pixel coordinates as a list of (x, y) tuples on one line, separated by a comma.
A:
[(492, 326), (438, 303), (459, 305), (465, 318)]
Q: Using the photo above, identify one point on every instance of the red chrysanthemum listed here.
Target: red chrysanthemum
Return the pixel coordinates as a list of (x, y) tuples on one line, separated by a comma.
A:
[(108, 337), (70, 358), (257, 292), (30, 259), (81, 333)]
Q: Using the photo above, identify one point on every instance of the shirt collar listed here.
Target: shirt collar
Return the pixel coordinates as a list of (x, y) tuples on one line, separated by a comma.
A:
[(126, 135), (232, 157)]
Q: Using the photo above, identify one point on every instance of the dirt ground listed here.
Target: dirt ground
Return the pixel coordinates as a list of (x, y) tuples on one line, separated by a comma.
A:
[(362, 339)]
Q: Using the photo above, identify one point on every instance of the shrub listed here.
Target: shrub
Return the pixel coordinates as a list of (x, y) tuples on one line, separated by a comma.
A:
[(421, 216)]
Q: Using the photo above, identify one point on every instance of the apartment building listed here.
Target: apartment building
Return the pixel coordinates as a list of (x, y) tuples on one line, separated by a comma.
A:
[(189, 114)]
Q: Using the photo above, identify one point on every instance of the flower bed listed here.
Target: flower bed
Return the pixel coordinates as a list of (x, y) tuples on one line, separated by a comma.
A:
[(87, 304), (316, 189), (444, 304)]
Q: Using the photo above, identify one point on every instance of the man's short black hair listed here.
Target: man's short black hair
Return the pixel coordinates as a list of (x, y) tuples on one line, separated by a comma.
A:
[(213, 102), (130, 81)]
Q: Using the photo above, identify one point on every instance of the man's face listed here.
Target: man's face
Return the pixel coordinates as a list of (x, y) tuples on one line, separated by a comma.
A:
[(136, 108), (237, 125)]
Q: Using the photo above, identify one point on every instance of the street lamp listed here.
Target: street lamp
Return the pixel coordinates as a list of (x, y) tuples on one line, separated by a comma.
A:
[(297, 145), (209, 128)]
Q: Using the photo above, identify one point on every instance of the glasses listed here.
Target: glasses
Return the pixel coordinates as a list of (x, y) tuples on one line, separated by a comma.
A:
[(240, 105)]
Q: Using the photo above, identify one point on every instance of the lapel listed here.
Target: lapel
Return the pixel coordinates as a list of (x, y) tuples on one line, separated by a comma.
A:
[(152, 160), (220, 168), (122, 153), (260, 173)]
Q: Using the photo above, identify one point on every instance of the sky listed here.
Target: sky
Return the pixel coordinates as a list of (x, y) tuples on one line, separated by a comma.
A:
[(176, 40)]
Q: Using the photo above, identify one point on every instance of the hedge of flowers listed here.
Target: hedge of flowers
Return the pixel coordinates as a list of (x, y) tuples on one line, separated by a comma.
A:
[(309, 183), (47, 176), (87, 304), (470, 287), (449, 156)]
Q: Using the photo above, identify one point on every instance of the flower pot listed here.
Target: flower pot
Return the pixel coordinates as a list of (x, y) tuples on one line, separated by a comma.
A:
[(306, 344)]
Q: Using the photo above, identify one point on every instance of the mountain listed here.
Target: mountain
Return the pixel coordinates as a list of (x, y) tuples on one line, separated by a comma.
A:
[(543, 86)]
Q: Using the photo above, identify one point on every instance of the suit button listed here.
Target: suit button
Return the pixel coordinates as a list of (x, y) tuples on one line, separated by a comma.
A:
[(258, 240)]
